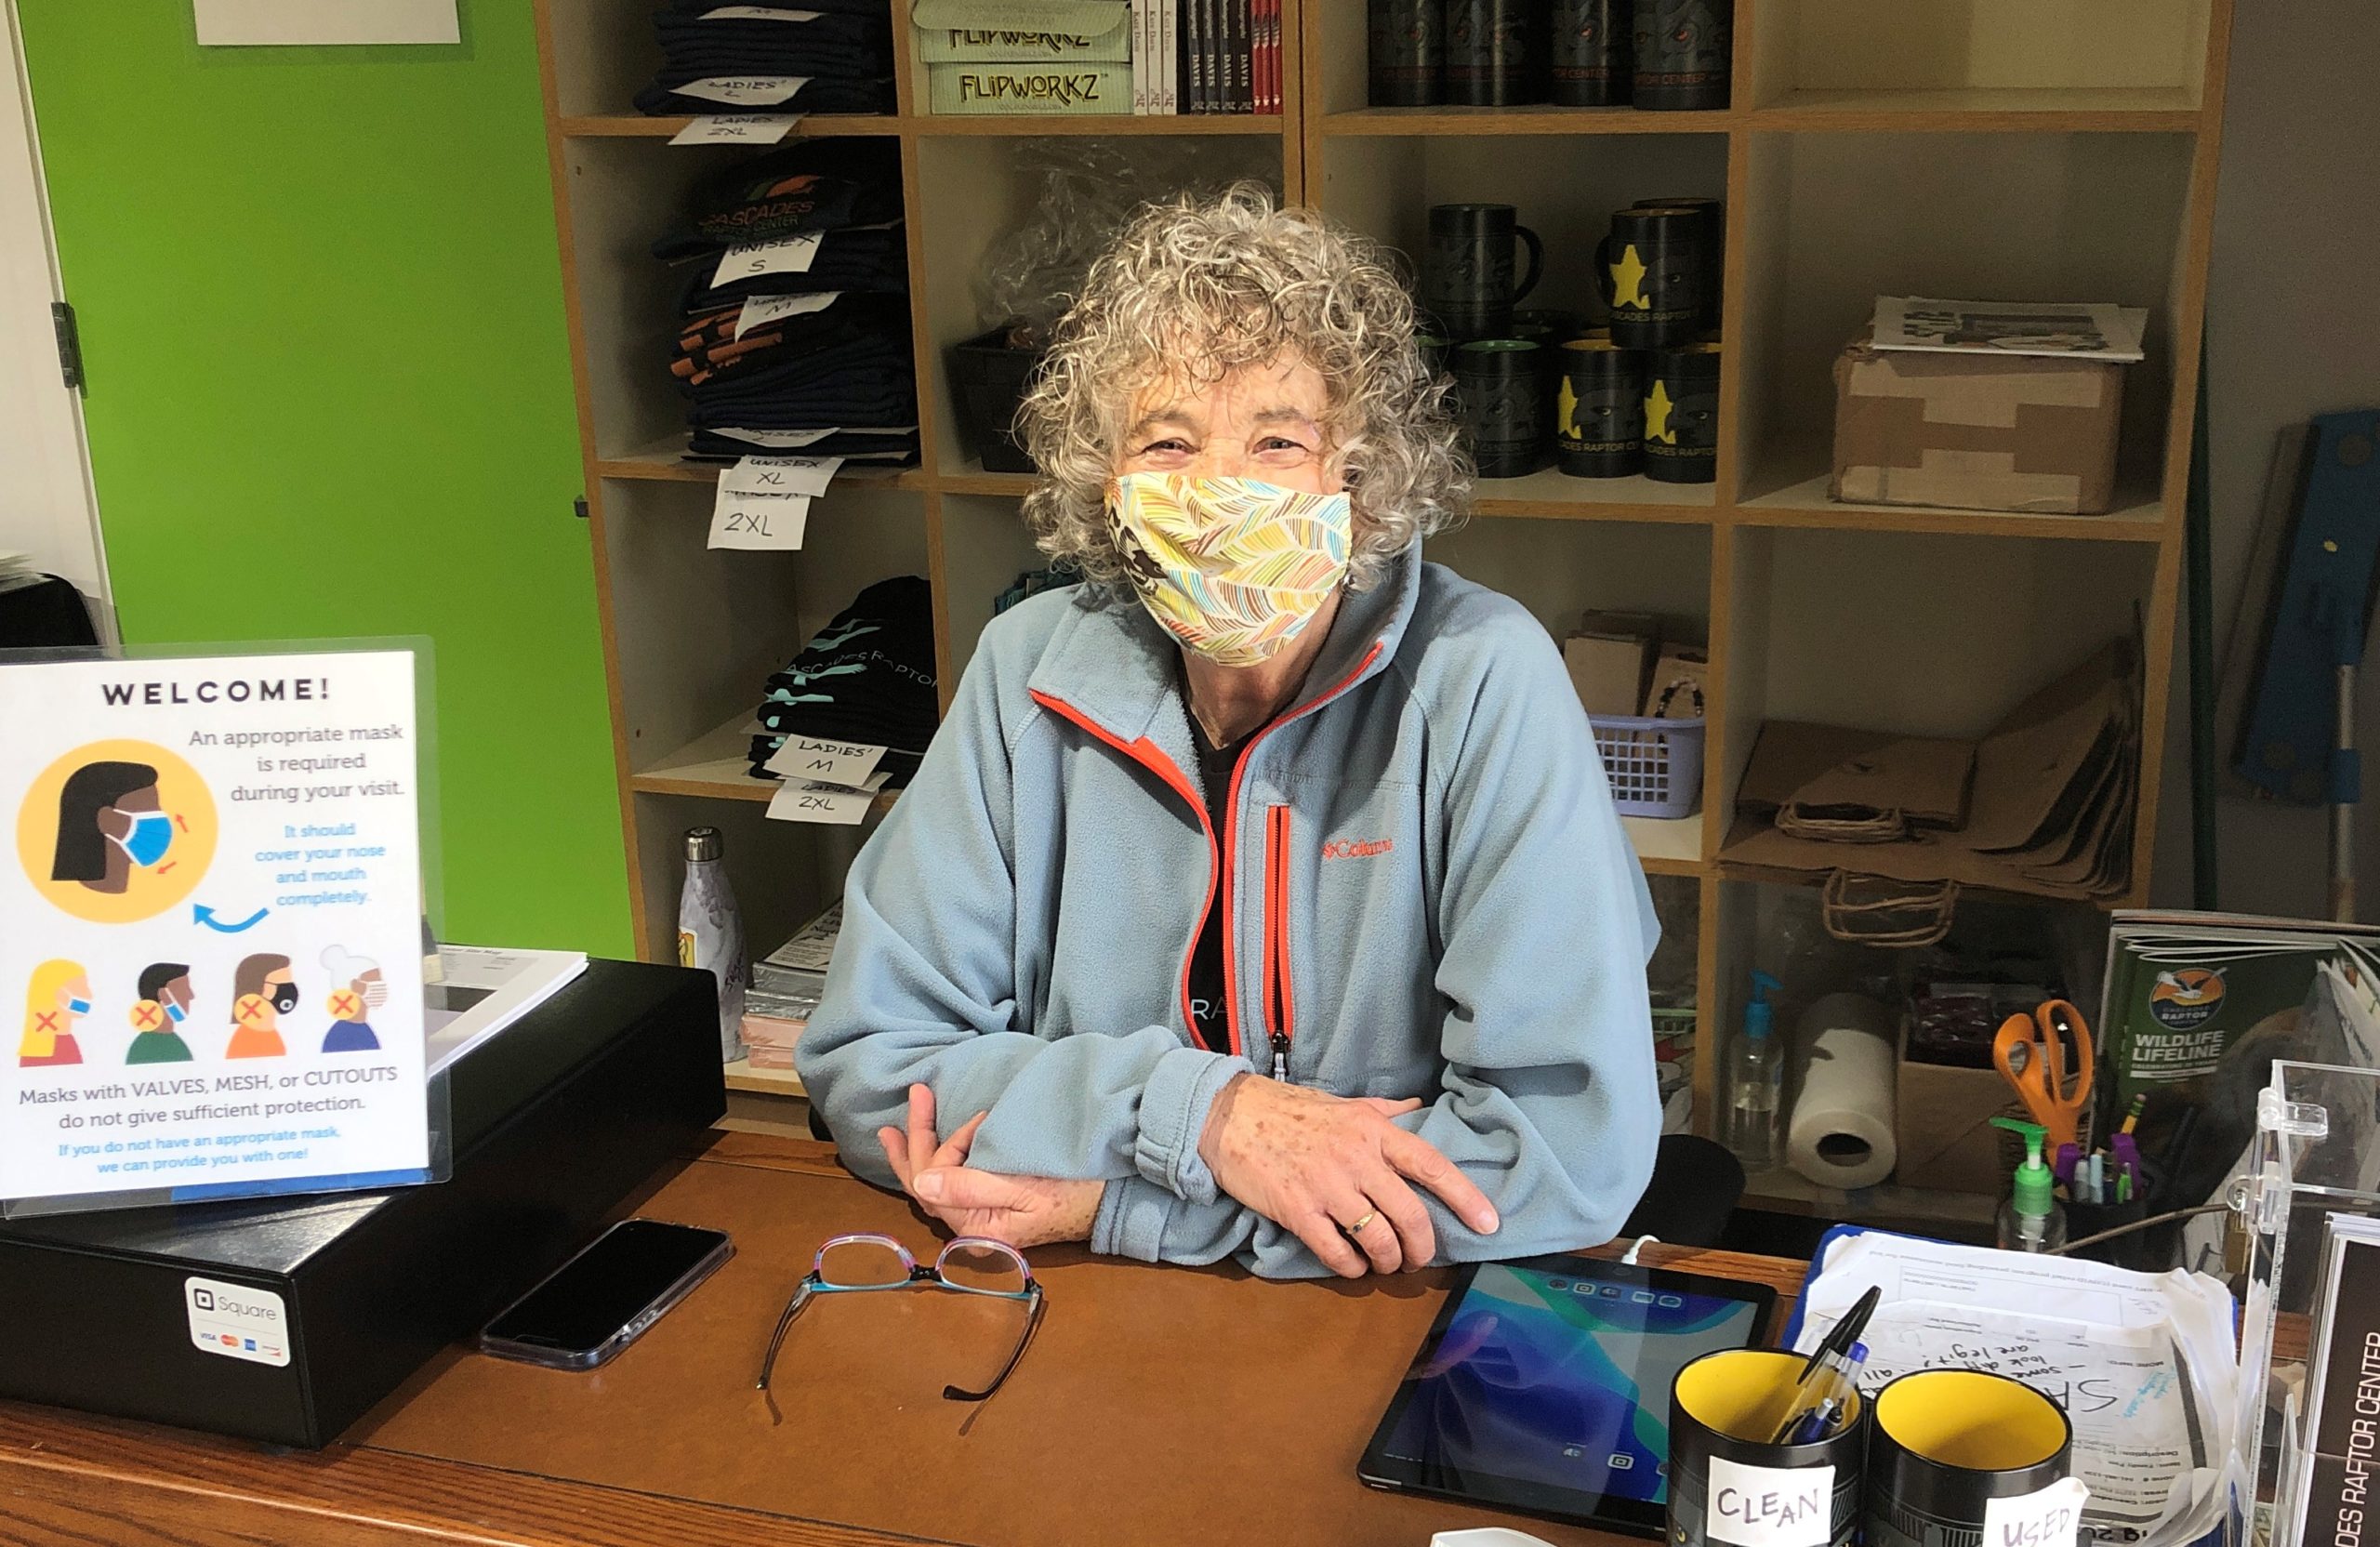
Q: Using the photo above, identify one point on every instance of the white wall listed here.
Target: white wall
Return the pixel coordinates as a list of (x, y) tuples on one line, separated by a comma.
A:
[(46, 505), (2293, 330)]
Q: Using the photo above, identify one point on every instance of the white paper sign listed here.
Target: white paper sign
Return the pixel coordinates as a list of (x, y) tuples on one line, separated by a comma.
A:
[(236, 1322), (827, 803), (211, 915), (240, 23), (760, 311), (792, 254), (737, 128), (1770, 1507), (745, 91), (758, 521), (757, 13), (2047, 1518), (780, 475), (826, 762)]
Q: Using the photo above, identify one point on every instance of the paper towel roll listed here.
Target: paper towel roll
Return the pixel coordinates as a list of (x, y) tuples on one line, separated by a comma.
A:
[(1840, 1135)]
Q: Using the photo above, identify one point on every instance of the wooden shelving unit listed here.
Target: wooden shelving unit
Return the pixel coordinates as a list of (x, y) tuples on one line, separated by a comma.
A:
[(2031, 147)]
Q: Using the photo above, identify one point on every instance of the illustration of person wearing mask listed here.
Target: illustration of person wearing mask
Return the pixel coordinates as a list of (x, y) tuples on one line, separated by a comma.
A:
[(59, 995), (109, 826), (362, 991), (264, 990), (166, 999)]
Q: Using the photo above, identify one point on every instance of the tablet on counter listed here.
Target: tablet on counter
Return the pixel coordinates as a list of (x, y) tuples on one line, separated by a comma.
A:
[(1544, 1386)]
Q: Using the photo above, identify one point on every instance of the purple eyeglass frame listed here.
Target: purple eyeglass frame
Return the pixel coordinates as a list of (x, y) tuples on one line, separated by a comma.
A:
[(914, 1274)]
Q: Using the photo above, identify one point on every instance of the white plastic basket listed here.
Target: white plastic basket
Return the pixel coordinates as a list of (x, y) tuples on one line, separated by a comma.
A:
[(1654, 765)]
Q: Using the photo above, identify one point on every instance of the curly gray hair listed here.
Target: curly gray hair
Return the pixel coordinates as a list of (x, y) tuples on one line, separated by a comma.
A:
[(1200, 286)]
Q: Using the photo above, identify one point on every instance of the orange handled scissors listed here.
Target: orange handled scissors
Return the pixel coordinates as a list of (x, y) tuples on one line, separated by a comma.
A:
[(2038, 1054)]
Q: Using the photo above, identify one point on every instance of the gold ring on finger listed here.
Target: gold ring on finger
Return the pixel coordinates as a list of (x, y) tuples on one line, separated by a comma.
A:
[(1357, 1228)]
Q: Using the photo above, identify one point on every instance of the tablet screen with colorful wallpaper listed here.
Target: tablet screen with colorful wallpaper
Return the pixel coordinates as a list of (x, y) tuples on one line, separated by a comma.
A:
[(1545, 1385)]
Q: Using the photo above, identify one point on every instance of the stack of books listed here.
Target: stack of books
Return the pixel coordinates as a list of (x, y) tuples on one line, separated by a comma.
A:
[(1092, 56), (785, 986)]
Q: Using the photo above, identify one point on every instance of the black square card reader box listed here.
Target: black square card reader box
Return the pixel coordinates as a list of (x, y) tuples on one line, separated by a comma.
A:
[(286, 1319)]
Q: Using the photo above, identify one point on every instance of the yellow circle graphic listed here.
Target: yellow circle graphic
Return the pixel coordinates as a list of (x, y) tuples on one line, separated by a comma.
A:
[(116, 831)]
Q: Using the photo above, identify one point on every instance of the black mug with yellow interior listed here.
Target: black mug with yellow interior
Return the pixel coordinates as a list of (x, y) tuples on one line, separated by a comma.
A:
[(1727, 1477), (1946, 1443)]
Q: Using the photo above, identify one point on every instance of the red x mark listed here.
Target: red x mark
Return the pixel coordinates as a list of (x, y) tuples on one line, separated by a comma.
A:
[(346, 1006), (46, 1020), (144, 1016)]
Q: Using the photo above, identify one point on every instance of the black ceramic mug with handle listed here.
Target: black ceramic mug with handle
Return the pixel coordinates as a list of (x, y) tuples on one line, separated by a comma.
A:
[(1467, 271)]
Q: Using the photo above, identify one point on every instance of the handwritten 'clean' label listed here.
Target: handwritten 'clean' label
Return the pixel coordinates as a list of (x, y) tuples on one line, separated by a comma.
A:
[(793, 254), (780, 475), (2046, 1517), (745, 91), (737, 128), (1770, 1507), (826, 762), (759, 520)]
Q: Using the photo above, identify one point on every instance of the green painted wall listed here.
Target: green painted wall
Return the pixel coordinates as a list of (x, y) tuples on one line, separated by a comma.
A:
[(321, 303)]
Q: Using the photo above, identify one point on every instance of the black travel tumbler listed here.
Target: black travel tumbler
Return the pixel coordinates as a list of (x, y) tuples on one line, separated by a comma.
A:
[(1409, 44), (1589, 59), (1493, 52), (1681, 48)]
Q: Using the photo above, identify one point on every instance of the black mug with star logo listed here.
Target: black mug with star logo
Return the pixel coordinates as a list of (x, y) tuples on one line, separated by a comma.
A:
[(1682, 415), (1599, 409), (1652, 271)]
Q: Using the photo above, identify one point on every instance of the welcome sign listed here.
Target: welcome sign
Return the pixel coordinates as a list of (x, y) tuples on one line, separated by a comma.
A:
[(210, 927)]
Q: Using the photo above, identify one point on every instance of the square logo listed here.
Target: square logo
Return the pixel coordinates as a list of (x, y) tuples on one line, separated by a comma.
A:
[(203, 1299)]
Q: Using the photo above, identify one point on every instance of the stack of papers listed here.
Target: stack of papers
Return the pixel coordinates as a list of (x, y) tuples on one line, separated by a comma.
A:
[(787, 984), (2143, 1364), (2069, 329)]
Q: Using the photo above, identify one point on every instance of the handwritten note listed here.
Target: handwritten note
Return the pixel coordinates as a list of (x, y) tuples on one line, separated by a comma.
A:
[(780, 475), (745, 91), (761, 310), (826, 762), (2046, 1517), (1770, 1507), (746, 520), (832, 804), (737, 128), (791, 255)]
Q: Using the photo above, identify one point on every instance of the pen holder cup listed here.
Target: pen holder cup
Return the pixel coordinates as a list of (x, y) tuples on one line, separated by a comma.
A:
[(1727, 1486), (2139, 1250), (1946, 1443)]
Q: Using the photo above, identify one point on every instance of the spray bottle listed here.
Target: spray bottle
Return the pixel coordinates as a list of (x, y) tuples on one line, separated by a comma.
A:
[(2030, 1220), (1756, 1081)]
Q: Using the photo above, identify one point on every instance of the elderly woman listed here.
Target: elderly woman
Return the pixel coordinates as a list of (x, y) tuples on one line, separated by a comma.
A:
[(1261, 895)]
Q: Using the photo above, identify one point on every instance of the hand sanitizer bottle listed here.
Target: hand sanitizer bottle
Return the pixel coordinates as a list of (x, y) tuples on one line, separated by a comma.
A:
[(2030, 1219), (1756, 1081), (710, 933)]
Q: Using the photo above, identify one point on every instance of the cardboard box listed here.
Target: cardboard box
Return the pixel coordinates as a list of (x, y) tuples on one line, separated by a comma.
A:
[(1976, 431), (554, 1123), (1942, 1126), (1608, 656), (1680, 679)]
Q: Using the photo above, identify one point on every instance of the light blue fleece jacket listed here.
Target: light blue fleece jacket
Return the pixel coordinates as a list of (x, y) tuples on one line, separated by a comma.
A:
[(1427, 892)]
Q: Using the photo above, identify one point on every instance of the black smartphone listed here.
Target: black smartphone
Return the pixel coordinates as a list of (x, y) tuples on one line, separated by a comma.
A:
[(600, 1300)]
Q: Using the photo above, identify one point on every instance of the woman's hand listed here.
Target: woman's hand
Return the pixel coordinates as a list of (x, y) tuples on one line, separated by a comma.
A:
[(1022, 1211), (1317, 1164)]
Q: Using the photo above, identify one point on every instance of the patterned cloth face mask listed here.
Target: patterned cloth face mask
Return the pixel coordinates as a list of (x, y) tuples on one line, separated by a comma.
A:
[(1235, 568)]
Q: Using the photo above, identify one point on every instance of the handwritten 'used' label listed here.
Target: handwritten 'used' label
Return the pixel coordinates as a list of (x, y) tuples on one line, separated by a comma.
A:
[(737, 128), (780, 475), (1770, 1507), (2046, 1517), (759, 520), (826, 762)]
